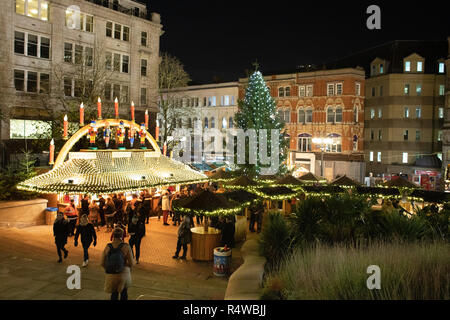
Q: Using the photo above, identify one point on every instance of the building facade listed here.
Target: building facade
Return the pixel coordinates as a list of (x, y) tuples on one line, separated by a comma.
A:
[(327, 104), (56, 51), (404, 118), (210, 106)]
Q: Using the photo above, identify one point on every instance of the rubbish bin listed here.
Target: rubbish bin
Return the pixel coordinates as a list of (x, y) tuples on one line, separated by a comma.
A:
[(50, 215), (222, 261)]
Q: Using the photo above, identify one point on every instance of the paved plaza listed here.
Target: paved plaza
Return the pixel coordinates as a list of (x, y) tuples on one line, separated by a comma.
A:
[(29, 268)]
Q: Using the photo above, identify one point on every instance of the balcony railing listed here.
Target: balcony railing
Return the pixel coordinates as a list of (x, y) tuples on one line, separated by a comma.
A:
[(117, 7)]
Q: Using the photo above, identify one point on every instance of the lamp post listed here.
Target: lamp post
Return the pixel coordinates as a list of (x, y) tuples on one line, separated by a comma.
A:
[(322, 142)]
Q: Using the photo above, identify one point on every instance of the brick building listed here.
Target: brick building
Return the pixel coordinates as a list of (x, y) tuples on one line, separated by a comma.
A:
[(322, 104)]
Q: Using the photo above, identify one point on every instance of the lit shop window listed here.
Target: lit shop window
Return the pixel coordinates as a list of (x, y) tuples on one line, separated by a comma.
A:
[(30, 129)]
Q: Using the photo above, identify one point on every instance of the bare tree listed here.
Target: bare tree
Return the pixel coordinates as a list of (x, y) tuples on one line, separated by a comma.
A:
[(172, 110)]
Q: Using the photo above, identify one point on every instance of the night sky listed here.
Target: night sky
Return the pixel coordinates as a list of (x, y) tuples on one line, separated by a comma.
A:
[(218, 40)]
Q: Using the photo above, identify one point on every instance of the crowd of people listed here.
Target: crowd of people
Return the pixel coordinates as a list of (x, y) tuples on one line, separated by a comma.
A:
[(124, 219)]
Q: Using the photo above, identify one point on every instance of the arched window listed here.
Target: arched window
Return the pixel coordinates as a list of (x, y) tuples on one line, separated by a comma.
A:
[(195, 122), (287, 91), (224, 123), (301, 116), (304, 142), (355, 114), (330, 114), (189, 123), (213, 122), (338, 118), (308, 115), (335, 144), (205, 125), (355, 143), (281, 92), (230, 122)]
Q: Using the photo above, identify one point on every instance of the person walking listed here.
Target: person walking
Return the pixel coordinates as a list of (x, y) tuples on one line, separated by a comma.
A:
[(93, 214), (110, 211), (228, 230), (256, 217), (117, 261), (147, 204), (72, 216), (85, 205), (184, 237), (61, 232), (136, 230), (101, 204), (88, 235), (165, 206)]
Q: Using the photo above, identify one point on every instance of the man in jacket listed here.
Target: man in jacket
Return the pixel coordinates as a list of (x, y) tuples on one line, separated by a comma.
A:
[(136, 229), (61, 232), (87, 232)]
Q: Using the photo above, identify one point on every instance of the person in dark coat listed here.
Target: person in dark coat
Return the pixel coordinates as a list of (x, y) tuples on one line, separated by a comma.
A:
[(101, 204), (85, 205), (136, 229), (61, 232), (256, 217), (184, 237), (88, 235), (228, 231)]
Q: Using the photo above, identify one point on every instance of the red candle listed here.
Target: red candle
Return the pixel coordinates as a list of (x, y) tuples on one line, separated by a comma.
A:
[(164, 149), (66, 127), (116, 107), (99, 108), (146, 119), (132, 111), (81, 114), (157, 130), (52, 152)]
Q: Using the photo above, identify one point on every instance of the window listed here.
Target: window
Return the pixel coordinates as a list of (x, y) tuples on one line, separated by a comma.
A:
[(379, 156), (232, 101), (441, 113), (355, 115), (441, 89), (30, 129), (372, 134), (117, 31), (124, 94), (67, 87), (78, 54), (19, 42), (19, 80), (224, 123), (405, 135), (44, 83), (339, 88), (335, 145), (419, 66), (418, 112), (79, 21), (33, 8), (309, 90), (355, 143), (226, 100), (126, 34), (281, 92), (32, 48), (405, 157), (380, 134), (373, 70), (304, 142), (308, 115), (439, 135), (301, 116), (108, 60), (441, 67), (381, 91), (143, 67), (78, 92), (230, 122), (213, 122), (406, 112), (381, 68), (144, 38), (143, 96), (373, 91), (380, 112), (205, 123), (301, 91), (407, 66), (406, 89), (417, 135), (204, 101), (372, 113), (357, 89), (32, 81), (285, 115), (287, 91), (45, 48), (371, 156), (109, 28), (419, 89), (330, 89), (330, 114), (117, 62), (108, 91), (89, 56), (338, 115)]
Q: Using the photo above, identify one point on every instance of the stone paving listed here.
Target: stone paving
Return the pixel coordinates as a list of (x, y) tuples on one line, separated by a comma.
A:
[(29, 268)]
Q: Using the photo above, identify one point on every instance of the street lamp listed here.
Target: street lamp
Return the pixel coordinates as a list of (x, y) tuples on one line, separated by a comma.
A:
[(322, 142)]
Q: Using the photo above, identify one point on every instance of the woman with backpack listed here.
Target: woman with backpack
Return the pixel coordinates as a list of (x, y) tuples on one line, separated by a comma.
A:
[(117, 260), (87, 232)]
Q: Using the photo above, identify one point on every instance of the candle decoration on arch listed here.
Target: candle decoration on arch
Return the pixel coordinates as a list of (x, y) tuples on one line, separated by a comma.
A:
[(165, 149), (132, 111), (146, 119), (116, 107), (99, 108), (65, 128), (81, 114), (157, 130), (52, 152)]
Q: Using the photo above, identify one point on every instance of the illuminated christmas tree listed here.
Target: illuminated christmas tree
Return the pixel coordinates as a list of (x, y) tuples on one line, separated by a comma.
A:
[(258, 111)]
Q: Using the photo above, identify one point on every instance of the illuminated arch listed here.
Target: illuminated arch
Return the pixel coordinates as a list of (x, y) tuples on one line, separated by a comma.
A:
[(82, 132)]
